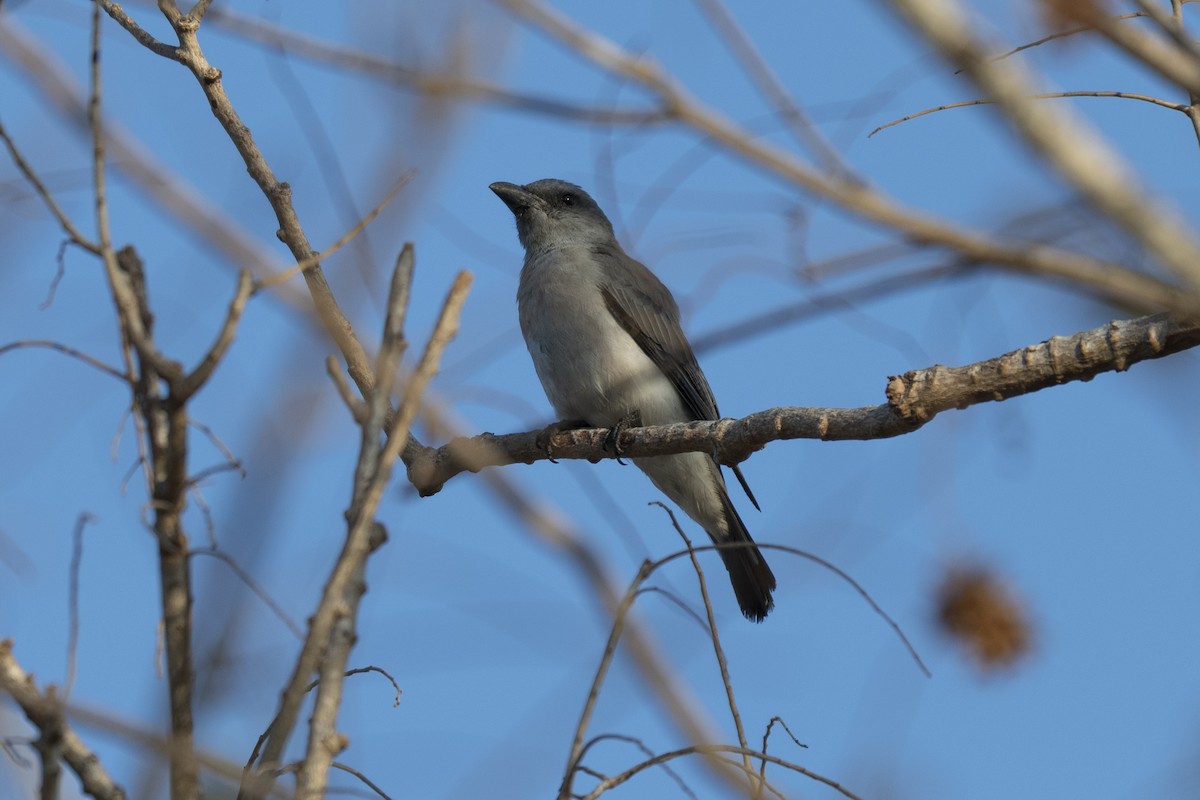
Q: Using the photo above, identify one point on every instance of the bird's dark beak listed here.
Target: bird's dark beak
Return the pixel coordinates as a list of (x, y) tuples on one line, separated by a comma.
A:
[(517, 198)]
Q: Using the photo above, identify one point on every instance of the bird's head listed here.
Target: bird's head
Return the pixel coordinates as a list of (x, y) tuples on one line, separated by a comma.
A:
[(553, 213)]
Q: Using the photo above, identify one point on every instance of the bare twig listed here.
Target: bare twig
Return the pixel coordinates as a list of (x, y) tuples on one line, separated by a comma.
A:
[(315, 259), (277, 193), (715, 637), (1178, 64), (439, 83), (203, 371), (253, 586), (1145, 98), (43, 192), (855, 585), (66, 350), (620, 613), (710, 752), (365, 780), (73, 602)]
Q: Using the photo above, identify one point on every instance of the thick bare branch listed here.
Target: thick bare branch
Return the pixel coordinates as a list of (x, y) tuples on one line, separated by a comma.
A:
[(913, 399), (45, 711)]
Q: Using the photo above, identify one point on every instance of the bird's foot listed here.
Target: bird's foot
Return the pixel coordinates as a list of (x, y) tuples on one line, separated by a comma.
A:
[(543, 440), (631, 420)]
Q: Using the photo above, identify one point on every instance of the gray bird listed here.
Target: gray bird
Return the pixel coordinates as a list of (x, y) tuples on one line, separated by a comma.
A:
[(607, 344)]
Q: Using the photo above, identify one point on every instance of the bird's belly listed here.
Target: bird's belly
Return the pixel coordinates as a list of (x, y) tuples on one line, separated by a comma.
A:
[(590, 368)]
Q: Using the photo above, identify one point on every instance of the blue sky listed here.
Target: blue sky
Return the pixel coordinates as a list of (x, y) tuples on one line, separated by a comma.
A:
[(1081, 499)]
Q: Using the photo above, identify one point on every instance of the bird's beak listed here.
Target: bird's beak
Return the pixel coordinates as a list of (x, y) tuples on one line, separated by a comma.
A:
[(517, 198)]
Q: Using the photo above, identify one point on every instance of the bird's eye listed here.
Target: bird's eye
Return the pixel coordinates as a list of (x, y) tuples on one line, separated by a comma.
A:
[(568, 199)]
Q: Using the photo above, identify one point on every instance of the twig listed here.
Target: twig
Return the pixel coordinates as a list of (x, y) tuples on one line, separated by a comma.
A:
[(233, 315), (43, 192), (593, 696), (710, 751), (315, 259), (713, 635), (1063, 34), (66, 350), (912, 651), (253, 586), (366, 781), (277, 193), (139, 33), (640, 745), (762, 769), (437, 84), (1039, 96), (73, 602), (363, 671)]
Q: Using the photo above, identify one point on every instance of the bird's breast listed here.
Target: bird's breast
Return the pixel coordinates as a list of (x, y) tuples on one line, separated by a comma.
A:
[(589, 366)]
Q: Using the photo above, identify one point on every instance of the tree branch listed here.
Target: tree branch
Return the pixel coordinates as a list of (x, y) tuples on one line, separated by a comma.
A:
[(913, 399), (45, 712)]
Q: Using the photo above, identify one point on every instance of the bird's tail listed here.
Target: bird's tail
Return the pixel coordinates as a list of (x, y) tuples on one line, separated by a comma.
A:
[(752, 579)]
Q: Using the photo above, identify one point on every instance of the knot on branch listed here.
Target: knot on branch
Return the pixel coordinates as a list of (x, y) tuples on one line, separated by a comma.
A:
[(905, 392)]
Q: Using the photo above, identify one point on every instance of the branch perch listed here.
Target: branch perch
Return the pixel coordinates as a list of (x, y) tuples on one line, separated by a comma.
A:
[(913, 399)]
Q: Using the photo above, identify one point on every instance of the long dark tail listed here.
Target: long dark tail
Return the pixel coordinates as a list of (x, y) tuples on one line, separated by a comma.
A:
[(752, 579)]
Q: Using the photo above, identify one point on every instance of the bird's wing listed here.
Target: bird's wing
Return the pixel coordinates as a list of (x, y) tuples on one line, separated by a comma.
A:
[(652, 320)]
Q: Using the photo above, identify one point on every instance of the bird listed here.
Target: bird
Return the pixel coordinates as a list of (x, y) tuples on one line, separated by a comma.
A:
[(609, 349)]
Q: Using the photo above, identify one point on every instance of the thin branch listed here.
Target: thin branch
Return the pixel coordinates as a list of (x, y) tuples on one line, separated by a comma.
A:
[(233, 315), (73, 602), (715, 637), (66, 350), (838, 571), (253, 586), (315, 259), (709, 751), (363, 671), (593, 696), (277, 193), (433, 84), (43, 192), (1145, 98), (1063, 34), (366, 781), (139, 33), (640, 745), (762, 769)]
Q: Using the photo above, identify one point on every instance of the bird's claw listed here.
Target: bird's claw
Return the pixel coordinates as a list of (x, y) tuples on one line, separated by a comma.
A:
[(545, 437), (631, 420)]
